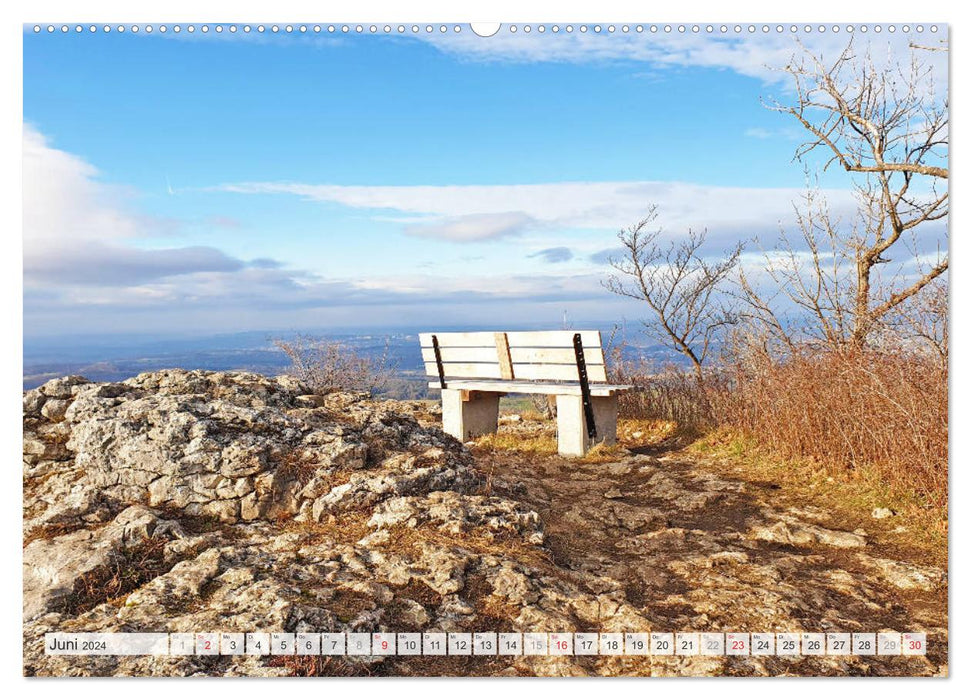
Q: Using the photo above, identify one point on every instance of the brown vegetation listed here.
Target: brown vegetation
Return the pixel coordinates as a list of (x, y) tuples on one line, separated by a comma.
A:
[(852, 411), (849, 410), (314, 666), (835, 349), (134, 566), (328, 365)]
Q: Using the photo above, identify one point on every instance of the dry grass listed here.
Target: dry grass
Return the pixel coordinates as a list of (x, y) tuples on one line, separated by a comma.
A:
[(536, 442), (869, 415), (408, 541), (601, 454), (538, 438), (131, 568), (671, 395), (51, 530), (297, 466), (347, 527), (642, 432), (740, 455), (314, 666), (861, 415)]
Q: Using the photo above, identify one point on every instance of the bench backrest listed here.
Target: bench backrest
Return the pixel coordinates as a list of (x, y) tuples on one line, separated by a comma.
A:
[(514, 355)]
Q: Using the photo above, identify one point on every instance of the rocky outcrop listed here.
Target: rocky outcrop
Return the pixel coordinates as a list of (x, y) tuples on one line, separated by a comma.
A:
[(233, 446), (227, 501)]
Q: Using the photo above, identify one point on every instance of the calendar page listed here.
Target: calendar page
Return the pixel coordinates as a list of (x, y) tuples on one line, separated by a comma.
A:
[(423, 348)]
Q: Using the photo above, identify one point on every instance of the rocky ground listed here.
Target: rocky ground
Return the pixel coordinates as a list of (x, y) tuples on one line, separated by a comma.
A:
[(202, 501)]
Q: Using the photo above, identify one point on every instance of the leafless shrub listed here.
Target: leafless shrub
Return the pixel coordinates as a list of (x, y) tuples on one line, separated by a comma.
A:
[(327, 365), (839, 354), (669, 393), (923, 321)]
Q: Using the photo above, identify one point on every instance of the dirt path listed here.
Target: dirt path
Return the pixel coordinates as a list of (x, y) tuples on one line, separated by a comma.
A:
[(696, 550)]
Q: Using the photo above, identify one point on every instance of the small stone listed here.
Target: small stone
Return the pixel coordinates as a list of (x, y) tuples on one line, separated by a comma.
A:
[(881, 513), (613, 492)]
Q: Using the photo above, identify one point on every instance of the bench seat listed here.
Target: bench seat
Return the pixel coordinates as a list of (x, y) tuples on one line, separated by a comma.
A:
[(514, 387)]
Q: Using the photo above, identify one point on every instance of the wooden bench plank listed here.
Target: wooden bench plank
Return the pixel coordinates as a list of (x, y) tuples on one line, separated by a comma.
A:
[(517, 339), (461, 355), (466, 370), (595, 373), (555, 356), (482, 339), (514, 387), (552, 339)]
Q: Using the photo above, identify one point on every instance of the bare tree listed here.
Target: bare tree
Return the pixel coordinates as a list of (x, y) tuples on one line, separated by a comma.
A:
[(679, 286), (887, 127), (810, 276)]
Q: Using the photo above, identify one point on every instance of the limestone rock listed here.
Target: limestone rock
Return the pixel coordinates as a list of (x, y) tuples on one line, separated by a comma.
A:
[(794, 532), (231, 501), (453, 513), (52, 567)]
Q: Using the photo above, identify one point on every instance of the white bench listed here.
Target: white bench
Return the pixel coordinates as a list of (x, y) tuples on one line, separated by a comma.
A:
[(474, 369)]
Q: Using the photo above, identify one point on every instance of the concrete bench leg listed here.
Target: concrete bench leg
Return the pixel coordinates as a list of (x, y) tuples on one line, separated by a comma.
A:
[(571, 424), (468, 414)]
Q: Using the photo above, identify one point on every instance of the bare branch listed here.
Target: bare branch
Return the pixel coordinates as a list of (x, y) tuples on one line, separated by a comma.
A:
[(679, 286)]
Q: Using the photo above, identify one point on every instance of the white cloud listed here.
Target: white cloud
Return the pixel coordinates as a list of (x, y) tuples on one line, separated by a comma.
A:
[(557, 254), (65, 203), (87, 269), (728, 212), (473, 227), (78, 230), (109, 265), (755, 54)]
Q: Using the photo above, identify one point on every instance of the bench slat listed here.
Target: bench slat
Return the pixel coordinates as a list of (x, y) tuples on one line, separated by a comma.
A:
[(552, 339), (470, 370), (517, 339), (514, 387), (482, 339), (461, 355), (595, 373), (486, 370), (558, 356), (555, 356)]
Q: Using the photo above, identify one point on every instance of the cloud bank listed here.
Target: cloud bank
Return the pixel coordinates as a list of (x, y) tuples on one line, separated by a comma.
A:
[(89, 267), (758, 54), (466, 213)]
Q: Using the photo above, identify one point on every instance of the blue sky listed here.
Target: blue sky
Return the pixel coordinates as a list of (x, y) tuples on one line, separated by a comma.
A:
[(206, 184)]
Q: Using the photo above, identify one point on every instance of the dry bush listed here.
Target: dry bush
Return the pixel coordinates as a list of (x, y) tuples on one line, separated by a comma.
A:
[(672, 394), (848, 410), (881, 413), (133, 567), (315, 666), (326, 365)]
